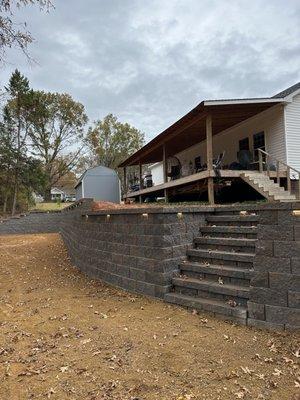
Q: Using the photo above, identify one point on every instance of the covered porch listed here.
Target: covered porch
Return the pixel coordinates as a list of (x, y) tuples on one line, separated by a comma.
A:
[(199, 127)]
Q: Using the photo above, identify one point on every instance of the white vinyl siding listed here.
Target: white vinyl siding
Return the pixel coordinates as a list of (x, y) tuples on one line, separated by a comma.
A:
[(292, 120), (157, 173), (270, 121)]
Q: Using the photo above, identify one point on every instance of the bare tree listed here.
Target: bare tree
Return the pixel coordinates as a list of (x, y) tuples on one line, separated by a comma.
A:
[(13, 34)]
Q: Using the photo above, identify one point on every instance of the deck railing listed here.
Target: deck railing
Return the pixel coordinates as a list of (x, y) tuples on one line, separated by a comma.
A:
[(278, 163)]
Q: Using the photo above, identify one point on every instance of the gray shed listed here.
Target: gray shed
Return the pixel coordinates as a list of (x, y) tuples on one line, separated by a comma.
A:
[(99, 183)]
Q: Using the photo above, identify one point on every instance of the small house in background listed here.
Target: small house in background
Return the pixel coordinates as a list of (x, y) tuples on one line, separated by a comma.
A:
[(57, 194), (99, 183)]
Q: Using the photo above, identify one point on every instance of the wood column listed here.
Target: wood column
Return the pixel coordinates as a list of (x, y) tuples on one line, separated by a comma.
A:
[(209, 158), (125, 181), (140, 179), (165, 171)]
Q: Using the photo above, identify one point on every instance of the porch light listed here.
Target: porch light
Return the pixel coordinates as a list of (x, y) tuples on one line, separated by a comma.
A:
[(179, 215), (296, 213), (86, 216), (145, 215), (107, 216)]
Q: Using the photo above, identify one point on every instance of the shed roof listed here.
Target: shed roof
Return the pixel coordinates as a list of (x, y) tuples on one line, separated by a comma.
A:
[(98, 170)]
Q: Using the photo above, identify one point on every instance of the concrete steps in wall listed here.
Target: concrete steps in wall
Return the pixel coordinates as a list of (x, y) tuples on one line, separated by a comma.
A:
[(216, 275)]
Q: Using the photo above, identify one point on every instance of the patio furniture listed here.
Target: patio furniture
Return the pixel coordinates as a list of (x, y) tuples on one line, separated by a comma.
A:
[(245, 159), (198, 166), (174, 168), (217, 163)]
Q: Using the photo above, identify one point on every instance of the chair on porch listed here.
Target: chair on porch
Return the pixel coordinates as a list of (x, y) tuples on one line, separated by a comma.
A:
[(245, 159), (217, 163)]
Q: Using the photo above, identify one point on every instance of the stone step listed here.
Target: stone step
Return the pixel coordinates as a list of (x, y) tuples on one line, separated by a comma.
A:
[(234, 291), (216, 269), (286, 197), (220, 255), (221, 243), (209, 305), (232, 220), (230, 231)]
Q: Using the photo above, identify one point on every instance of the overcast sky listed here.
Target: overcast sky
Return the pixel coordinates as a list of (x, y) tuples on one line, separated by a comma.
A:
[(151, 61)]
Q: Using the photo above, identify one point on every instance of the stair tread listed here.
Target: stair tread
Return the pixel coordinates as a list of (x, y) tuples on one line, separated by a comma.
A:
[(238, 241), (220, 252), (206, 282), (217, 267), (232, 218), (207, 304)]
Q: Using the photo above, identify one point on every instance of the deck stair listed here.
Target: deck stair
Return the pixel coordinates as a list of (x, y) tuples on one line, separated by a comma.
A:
[(216, 275), (267, 187)]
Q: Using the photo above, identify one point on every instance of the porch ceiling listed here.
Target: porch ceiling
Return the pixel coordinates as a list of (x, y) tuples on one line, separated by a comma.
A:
[(191, 129)]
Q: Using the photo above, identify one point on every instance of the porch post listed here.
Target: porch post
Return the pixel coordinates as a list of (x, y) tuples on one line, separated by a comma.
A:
[(165, 171), (140, 179), (209, 158), (125, 180)]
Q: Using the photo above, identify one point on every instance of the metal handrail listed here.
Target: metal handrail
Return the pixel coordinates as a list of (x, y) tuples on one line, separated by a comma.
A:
[(278, 162)]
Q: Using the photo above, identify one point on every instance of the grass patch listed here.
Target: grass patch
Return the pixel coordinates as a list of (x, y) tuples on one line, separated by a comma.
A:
[(51, 206)]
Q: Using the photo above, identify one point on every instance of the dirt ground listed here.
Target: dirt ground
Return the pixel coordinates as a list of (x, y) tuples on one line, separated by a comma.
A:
[(63, 336)]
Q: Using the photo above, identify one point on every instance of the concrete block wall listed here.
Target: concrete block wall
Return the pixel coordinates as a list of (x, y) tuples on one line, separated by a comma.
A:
[(275, 286), (33, 222), (138, 250)]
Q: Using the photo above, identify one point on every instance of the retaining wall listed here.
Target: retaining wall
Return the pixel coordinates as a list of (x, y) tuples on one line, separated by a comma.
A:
[(33, 222), (275, 287), (138, 250)]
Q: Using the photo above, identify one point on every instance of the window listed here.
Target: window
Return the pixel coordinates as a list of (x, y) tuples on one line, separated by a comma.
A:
[(244, 144), (258, 143)]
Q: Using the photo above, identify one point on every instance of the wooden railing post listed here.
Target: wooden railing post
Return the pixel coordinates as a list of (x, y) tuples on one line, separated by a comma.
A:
[(268, 164), (140, 179), (209, 160), (165, 171), (278, 172), (125, 180), (260, 160)]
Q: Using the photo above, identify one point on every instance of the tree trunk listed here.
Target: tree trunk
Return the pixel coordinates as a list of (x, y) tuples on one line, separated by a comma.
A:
[(47, 194), (5, 203), (14, 205)]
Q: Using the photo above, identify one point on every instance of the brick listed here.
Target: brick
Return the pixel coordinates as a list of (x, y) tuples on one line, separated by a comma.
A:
[(287, 217), (256, 311), (260, 279), (275, 232), (284, 281), (265, 325), (294, 300), (286, 249), (283, 315), (278, 264), (137, 274), (268, 296), (117, 259), (268, 217), (295, 264), (264, 248), (129, 261)]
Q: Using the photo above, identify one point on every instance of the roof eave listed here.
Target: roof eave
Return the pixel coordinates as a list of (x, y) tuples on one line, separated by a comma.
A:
[(249, 101)]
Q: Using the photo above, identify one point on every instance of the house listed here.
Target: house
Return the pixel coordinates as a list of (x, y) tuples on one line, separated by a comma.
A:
[(57, 194), (254, 140), (99, 183)]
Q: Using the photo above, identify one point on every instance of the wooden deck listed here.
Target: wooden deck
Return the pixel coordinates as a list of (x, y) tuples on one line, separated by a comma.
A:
[(230, 174)]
